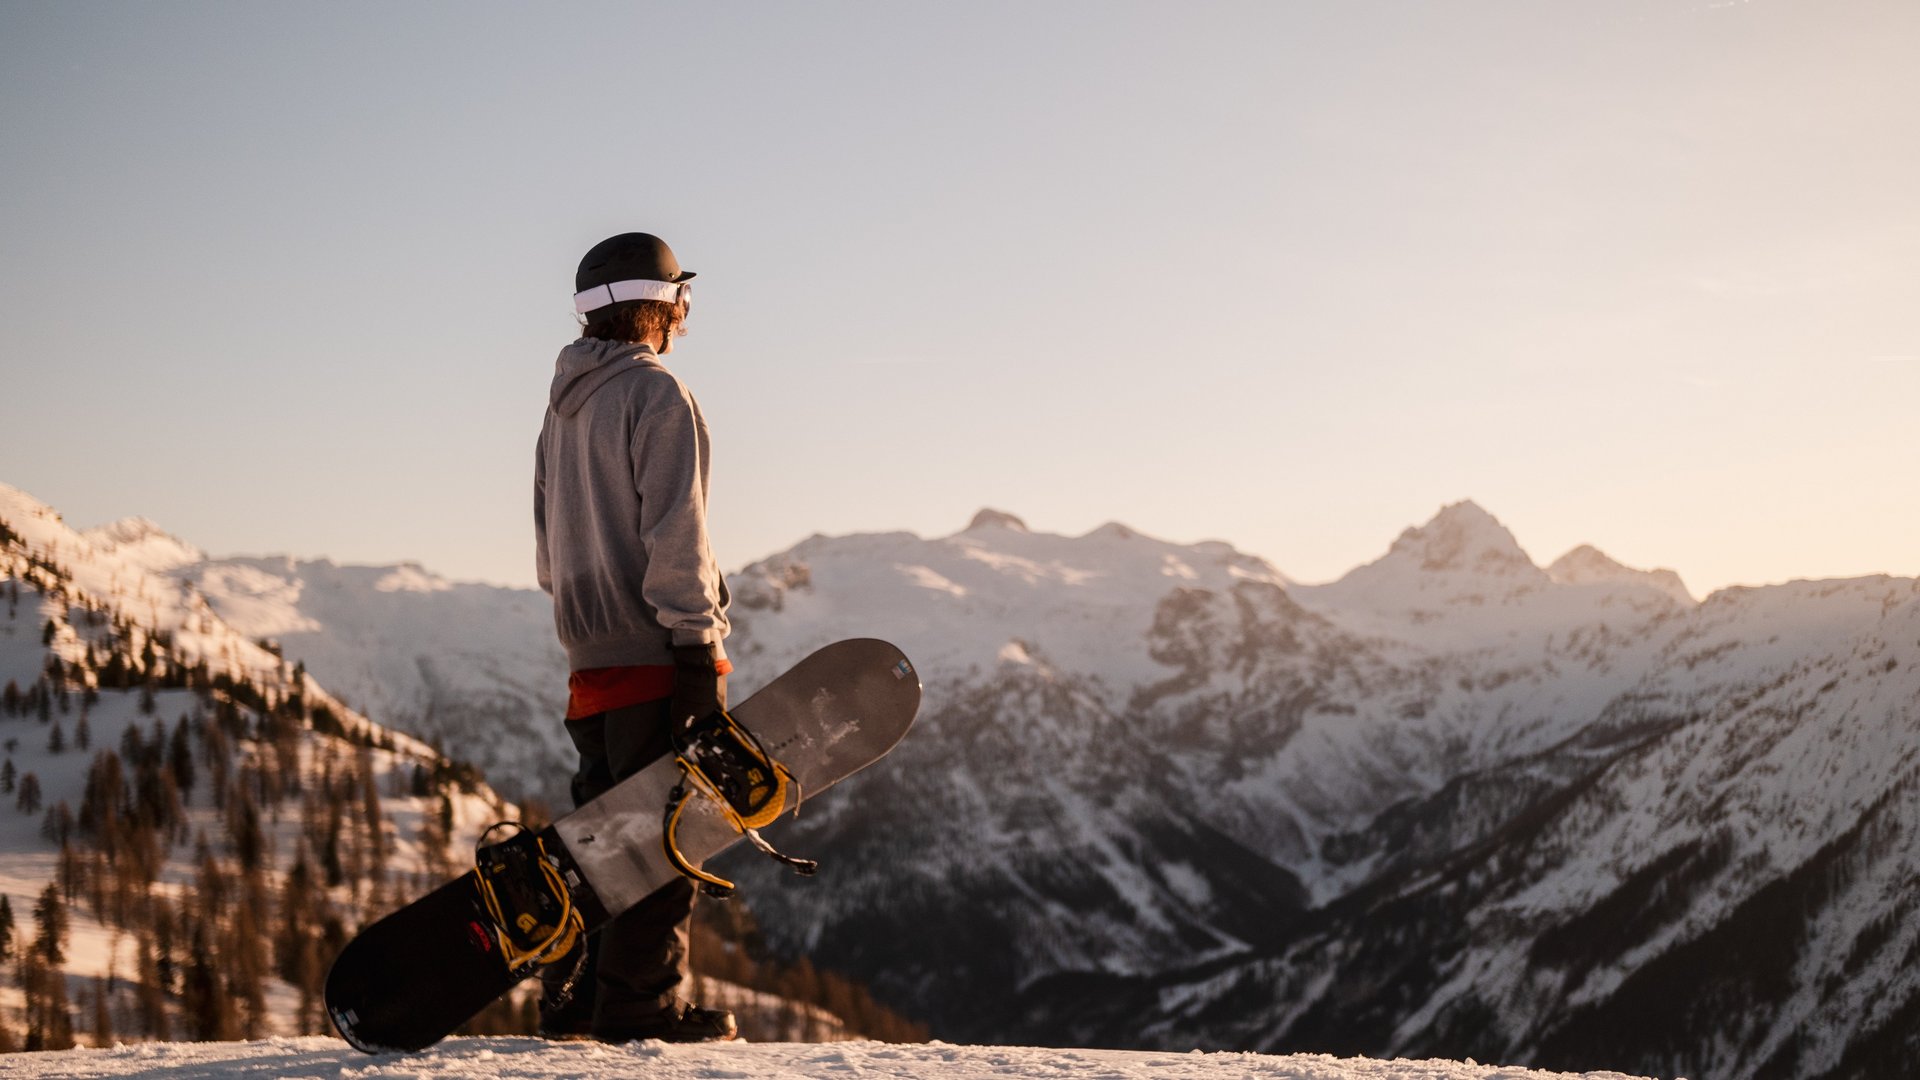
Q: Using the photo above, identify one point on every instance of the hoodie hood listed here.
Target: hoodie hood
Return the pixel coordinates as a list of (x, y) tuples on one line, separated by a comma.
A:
[(586, 364)]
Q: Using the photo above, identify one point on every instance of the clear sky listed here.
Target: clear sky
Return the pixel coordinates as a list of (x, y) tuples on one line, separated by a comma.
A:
[(290, 277)]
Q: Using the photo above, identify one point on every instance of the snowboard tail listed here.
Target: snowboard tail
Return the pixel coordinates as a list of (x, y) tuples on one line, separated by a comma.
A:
[(415, 976)]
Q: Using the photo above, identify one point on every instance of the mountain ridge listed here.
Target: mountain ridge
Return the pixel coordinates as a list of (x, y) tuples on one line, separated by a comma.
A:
[(214, 820), (1452, 802), (1432, 725)]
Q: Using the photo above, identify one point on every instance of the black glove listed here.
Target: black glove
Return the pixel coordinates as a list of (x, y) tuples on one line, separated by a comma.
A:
[(699, 690)]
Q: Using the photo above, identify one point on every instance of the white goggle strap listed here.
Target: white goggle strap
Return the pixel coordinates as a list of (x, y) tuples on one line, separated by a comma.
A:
[(601, 295)]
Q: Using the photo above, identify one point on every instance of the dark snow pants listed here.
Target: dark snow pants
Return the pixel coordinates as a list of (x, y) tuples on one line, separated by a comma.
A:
[(638, 964)]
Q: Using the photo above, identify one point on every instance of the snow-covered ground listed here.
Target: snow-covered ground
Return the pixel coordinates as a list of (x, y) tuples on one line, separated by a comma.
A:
[(532, 1058)]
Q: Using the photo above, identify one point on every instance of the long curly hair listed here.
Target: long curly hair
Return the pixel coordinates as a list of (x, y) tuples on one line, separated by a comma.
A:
[(640, 322)]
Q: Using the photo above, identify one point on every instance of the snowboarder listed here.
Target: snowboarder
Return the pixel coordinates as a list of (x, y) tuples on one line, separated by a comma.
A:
[(620, 522)]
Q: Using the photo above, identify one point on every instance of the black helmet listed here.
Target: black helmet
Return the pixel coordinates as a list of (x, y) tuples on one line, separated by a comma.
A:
[(641, 262)]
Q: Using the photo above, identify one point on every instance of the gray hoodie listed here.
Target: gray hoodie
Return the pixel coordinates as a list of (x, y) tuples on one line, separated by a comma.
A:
[(620, 510)]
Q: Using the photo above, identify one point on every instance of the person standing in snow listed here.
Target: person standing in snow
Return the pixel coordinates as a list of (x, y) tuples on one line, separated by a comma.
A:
[(620, 524)]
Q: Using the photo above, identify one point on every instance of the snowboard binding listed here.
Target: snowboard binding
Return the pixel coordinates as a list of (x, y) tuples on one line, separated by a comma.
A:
[(725, 762), (526, 898)]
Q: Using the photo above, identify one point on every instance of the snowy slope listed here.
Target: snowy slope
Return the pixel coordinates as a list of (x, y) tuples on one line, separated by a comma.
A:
[(1397, 813), (473, 668), (1135, 753), (184, 770), (1720, 885), (100, 574), (535, 1060)]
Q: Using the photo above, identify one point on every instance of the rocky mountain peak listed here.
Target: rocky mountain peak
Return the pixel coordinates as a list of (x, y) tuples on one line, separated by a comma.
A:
[(1462, 537), (144, 543), (1587, 564), (990, 518)]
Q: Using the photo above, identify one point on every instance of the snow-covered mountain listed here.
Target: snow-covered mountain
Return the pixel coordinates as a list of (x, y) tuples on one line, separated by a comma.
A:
[(1451, 803), (1711, 875), (195, 823), (474, 669), (1161, 795), (1587, 563), (209, 822)]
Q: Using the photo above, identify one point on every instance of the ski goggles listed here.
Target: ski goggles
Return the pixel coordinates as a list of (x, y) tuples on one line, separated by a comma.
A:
[(670, 292)]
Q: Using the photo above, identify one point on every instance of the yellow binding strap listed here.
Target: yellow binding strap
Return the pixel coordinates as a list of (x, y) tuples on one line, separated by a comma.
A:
[(558, 941), (767, 786), (716, 886)]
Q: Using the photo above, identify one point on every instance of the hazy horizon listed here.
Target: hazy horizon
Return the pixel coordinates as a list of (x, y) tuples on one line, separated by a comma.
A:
[(1540, 559)]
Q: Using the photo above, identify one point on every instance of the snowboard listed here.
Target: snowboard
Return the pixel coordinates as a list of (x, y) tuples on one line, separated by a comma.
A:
[(415, 976)]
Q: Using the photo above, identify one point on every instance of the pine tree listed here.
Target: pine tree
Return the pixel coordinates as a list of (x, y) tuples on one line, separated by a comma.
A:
[(330, 845), (72, 874), (296, 921), (50, 921), (102, 1018), (57, 742), (180, 758), (103, 802), (243, 829), (212, 886), (115, 673), (165, 935), (49, 1022), (170, 811), (204, 1000), (371, 815), (7, 777), (83, 732), (151, 993), (28, 801), (47, 632), (6, 927), (216, 753), (249, 959), (57, 826)]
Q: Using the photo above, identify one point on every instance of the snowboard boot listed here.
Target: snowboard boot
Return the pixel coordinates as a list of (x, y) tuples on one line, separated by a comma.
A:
[(570, 1022), (683, 1023), (566, 996)]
